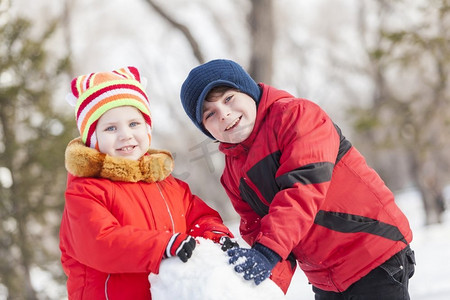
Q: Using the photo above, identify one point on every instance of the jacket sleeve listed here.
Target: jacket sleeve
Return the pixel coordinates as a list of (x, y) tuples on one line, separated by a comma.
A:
[(93, 236), (309, 144), (199, 216)]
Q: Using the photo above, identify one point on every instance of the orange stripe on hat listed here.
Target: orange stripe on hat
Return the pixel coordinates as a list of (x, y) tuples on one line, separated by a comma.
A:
[(108, 103)]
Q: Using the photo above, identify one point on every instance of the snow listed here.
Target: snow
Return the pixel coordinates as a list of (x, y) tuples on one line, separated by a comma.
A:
[(432, 248), (207, 274)]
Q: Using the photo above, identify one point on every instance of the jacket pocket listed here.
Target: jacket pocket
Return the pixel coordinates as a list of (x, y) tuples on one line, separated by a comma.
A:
[(400, 267)]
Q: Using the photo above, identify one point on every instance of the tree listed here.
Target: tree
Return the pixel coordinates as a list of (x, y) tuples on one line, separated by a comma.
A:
[(262, 40), (409, 111), (33, 137), (262, 33)]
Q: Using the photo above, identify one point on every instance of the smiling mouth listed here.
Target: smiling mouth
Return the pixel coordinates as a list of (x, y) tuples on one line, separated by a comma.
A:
[(127, 148), (234, 124)]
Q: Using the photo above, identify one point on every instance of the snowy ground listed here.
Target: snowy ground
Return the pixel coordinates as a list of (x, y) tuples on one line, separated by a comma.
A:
[(208, 276), (432, 248)]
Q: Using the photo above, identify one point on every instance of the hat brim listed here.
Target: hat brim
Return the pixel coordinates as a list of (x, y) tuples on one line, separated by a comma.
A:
[(206, 90)]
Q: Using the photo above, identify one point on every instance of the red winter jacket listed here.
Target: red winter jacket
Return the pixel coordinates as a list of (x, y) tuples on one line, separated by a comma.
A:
[(114, 233), (301, 188)]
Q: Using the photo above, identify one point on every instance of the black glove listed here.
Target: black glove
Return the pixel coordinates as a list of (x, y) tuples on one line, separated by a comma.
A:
[(258, 263), (227, 243), (181, 245), (220, 238)]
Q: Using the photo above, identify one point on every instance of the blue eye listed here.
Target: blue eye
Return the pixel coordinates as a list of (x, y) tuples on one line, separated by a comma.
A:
[(228, 98), (110, 128), (208, 115), (134, 124)]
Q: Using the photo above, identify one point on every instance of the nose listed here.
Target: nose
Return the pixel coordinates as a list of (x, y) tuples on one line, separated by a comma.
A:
[(125, 134), (224, 113)]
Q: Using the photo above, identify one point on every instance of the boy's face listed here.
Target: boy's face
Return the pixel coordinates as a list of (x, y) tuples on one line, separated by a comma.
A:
[(122, 132), (229, 116)]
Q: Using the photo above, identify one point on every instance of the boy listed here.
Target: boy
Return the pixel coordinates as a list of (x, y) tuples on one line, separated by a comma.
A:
[(300, 188), (124, 212)]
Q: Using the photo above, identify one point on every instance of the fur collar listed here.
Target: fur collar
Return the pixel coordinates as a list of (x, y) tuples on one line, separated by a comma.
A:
[(83, 161)]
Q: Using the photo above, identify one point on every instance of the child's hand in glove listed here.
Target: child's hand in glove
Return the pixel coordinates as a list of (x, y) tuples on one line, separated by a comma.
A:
[(257, 262), (181, 245), (222, 239)]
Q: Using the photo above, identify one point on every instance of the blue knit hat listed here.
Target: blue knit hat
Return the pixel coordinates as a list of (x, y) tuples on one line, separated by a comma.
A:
[(203, 78)]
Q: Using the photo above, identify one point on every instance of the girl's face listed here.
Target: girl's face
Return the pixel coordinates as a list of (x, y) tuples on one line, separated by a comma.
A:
[(122, 132), (229, 116)]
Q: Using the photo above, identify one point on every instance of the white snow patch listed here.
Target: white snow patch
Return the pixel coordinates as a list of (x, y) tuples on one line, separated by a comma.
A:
[(207, 275)]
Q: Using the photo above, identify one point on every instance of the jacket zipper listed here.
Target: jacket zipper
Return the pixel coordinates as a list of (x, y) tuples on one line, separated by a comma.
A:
[(173, 229), (167, 207), (106, 286)]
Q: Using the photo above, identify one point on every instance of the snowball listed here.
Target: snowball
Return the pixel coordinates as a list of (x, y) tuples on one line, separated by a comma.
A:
[(207, 275)]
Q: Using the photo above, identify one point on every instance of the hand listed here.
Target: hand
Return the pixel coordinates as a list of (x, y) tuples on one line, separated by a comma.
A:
[(227, 243), (181, 245), (221, 238), (258, 262)]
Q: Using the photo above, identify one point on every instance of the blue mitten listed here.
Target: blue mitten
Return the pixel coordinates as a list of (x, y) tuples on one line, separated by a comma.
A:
[(256, 263)]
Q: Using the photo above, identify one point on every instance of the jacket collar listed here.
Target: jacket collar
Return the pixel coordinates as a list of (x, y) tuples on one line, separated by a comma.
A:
[(83, 161)]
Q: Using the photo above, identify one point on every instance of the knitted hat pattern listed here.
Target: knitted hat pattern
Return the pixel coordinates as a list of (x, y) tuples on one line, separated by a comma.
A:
[(95, 93), (203, 78)]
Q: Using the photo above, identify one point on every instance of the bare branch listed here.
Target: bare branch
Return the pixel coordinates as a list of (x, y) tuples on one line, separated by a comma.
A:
[(184, 30)]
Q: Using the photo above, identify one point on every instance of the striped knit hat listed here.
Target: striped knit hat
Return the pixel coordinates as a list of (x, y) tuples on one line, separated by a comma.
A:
[(96, 93)]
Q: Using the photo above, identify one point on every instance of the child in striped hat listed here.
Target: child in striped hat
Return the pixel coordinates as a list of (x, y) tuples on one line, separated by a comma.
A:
[(124, 212)]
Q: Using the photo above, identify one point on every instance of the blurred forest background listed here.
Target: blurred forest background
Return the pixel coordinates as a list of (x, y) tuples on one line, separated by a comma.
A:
[(380, 68)]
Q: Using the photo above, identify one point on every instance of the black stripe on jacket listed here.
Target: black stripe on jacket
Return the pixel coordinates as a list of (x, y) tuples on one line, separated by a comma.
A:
[(262, 175), (344, 144), (308, 174), (348, 223)]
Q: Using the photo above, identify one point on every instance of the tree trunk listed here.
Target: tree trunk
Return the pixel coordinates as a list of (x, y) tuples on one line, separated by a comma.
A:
[(263, 40), (431, 193)]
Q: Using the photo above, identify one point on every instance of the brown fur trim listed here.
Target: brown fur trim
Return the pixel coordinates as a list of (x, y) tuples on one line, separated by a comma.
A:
[(83, 161)]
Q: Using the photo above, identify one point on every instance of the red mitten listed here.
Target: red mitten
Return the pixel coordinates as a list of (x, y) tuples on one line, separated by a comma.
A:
[(182, 245)]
